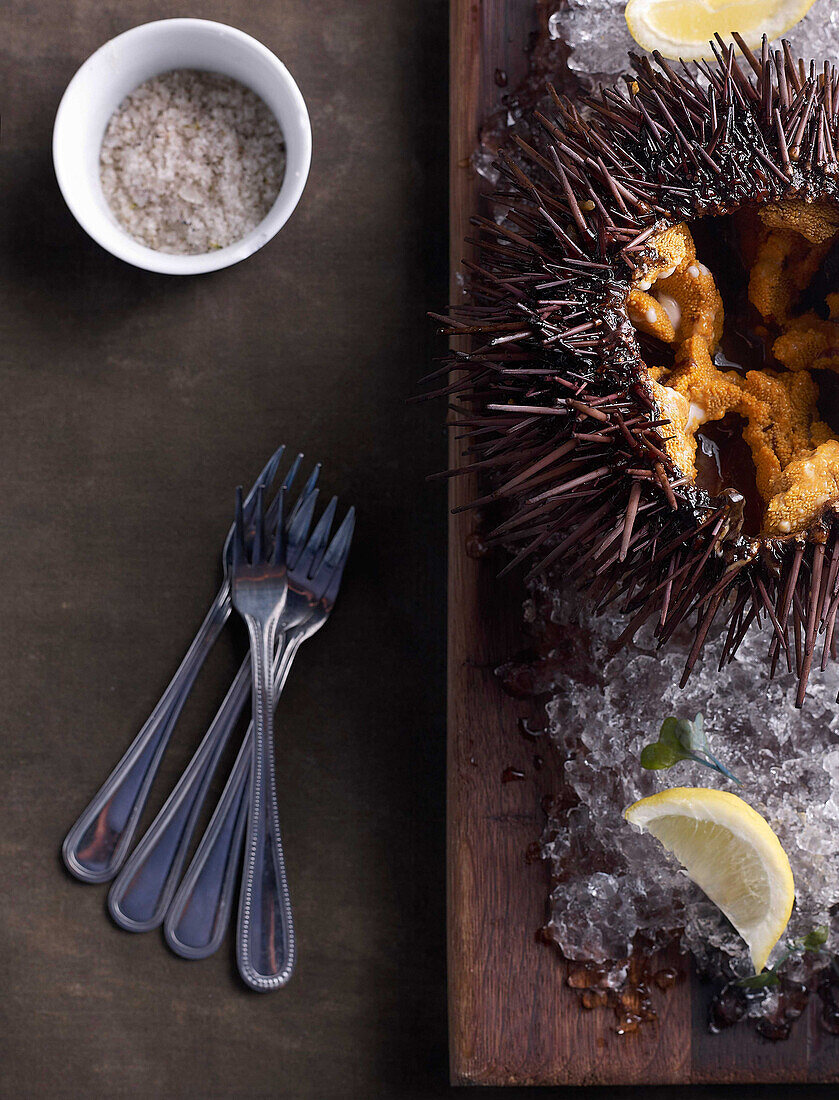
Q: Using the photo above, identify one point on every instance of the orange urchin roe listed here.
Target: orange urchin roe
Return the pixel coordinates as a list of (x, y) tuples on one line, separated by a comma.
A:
[(686, 301), (673, 248), (815, 221), (792, 244), (808, 343), (796, 456), (780, 412), (673, 406), (650, 315), (804, 488), (783, 268)]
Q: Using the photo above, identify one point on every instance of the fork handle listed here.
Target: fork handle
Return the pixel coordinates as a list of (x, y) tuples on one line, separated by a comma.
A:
[(197, 919), (265, 948), (96, 846), (141, 892)]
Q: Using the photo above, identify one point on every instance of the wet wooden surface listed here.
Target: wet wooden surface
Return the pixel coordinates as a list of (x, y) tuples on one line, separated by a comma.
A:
[(512, 1018)]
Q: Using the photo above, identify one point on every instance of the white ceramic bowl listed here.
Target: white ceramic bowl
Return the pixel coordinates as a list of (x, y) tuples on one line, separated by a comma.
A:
[(128, 60)]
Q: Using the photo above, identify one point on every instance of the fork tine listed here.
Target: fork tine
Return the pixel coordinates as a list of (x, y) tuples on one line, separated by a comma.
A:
[(278, 548), (341, 541), (304, 492), (310, 557), (238, 547), (332, 567), (298, 529), (292, 471), (257, 554), (274, 506), (269, 471)]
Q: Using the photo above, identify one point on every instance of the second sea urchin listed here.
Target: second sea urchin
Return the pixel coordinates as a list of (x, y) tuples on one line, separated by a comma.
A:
[(671, 446)]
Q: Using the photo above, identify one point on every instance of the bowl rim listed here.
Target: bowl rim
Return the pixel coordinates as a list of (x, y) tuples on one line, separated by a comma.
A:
[(132, 251)]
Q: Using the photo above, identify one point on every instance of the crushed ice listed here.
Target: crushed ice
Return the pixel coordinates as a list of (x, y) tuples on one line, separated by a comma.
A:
[(613, 882), (599, 39)]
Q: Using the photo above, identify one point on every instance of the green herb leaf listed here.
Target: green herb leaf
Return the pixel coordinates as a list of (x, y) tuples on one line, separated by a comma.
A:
[(681, 739), (813, 941), (816, 939), (763, 980), (658, 756), (692, 734), (669, 733)]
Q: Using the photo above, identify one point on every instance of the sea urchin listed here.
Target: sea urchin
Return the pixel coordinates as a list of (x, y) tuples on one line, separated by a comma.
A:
[(659, 426)]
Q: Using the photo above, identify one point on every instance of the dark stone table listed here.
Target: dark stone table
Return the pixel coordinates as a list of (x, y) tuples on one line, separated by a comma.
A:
[(132, 404)]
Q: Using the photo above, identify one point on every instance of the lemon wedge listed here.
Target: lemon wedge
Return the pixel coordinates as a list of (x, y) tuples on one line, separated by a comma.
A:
[(729, 851), (683, 28)]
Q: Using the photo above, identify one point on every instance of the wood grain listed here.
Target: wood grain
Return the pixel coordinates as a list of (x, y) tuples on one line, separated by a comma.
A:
[(512, 1020)]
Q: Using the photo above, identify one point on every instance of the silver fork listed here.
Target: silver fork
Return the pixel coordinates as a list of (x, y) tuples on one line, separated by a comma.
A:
[(143, 889), (197, 919), (97, 844), (258, 588)]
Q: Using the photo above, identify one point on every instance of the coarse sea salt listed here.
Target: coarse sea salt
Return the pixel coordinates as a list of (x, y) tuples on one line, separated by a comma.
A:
[(191, 162)]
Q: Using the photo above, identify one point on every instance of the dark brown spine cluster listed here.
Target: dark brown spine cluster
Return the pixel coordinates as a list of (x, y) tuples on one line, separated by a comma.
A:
[(551, 395)]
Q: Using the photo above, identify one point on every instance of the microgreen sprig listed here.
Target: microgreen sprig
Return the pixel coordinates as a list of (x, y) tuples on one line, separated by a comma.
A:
[(681, 739), (813, 942)]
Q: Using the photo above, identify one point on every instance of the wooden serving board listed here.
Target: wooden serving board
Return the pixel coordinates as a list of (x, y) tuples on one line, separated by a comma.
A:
[(512, 1019)]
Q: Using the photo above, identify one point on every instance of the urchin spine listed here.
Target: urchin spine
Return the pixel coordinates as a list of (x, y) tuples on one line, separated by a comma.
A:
[(551, 395)]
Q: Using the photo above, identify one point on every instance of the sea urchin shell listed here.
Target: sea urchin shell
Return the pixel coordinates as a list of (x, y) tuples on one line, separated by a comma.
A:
[(577, 391)]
